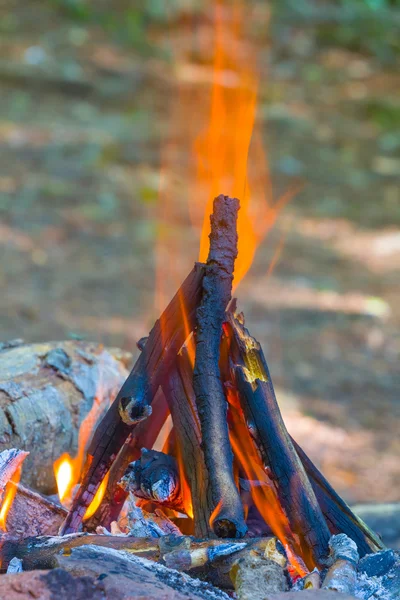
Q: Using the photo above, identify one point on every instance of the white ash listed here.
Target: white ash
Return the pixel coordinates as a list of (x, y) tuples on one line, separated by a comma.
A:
[(15, 566), (343, 548)]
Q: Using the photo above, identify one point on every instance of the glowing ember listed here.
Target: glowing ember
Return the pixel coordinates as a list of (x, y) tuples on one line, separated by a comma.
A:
[(10, 491)]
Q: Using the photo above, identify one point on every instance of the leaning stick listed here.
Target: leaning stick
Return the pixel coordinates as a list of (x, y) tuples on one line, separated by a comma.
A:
[(132, 403), (144, 436), (227, 519), (178, 390), (338, 515), (261, 409)]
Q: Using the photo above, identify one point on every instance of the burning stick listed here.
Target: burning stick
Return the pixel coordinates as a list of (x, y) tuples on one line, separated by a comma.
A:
[(132, 403), (261, 409), (144, 436), (227, 519), (339, 516), (179, 393), (154, 476)]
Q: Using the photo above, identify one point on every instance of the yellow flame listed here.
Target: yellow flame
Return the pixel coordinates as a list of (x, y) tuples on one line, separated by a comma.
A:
[(94, 505)]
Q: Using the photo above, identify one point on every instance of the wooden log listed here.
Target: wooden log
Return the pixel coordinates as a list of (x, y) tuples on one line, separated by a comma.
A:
[(133, 401), (227, 519), (31, 514), (41, 552), (178, 390), (52, 387), (293, 488)]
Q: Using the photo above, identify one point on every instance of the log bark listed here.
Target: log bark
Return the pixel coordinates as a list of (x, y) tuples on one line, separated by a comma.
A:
[(52, 387), (178, 390), (133, 401), (227, 519), (339, 517), (31, 514), (293, 488)]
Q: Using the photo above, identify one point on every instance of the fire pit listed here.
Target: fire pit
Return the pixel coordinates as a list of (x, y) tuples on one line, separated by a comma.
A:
[(232, 498)]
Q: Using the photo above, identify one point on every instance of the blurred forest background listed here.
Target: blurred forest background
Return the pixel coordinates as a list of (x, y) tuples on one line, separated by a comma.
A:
[(90, 117)]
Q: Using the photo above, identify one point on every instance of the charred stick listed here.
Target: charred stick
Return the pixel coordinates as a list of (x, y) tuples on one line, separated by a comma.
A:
[(261, 410), (227, 519), (132, 403), (154, 477), (143, 436), (178, 390), (339, 516)]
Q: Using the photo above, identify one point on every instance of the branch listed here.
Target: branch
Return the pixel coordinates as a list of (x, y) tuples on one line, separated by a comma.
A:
[(227, 519)]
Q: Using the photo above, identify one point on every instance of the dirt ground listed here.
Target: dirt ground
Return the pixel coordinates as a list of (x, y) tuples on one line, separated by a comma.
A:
[(87, 125)]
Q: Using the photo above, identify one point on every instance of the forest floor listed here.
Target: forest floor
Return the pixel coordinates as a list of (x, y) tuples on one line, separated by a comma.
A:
[(86, 127)]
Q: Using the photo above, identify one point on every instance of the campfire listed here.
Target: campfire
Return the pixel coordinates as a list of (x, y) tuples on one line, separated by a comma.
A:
[(188, 481), (232, 497)]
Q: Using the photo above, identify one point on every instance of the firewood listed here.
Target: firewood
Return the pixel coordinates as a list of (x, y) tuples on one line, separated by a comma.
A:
[(178, 390), (254, 576), (40, 552), (52, 387), (293, 488), (133, 401), (144, 436), (342, 575), (312, 581), (227, 519), (154, 476), (186, 559), (31, 514), (338, 515)]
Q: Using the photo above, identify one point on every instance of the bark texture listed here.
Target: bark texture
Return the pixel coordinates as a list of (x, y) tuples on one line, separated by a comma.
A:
[(46, 390), (227, 519)]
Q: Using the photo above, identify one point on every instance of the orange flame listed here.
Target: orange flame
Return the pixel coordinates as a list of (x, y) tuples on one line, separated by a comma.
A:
[(10, 491), (68, 469), (263, 494), (225, 147)]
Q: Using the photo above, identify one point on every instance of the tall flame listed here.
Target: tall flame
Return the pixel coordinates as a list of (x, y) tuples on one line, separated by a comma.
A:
[(228, 144)]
